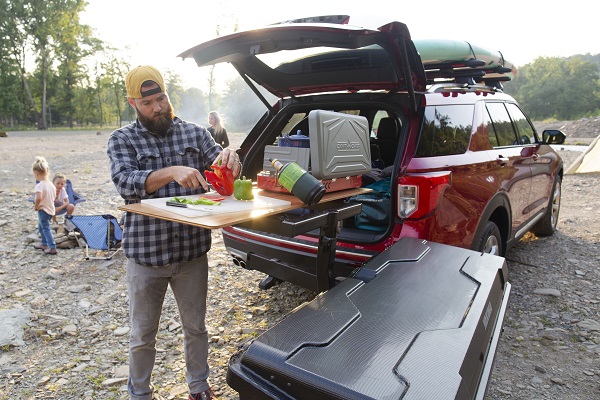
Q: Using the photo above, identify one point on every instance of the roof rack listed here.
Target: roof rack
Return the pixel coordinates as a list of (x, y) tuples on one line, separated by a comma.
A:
[(462, 87), (466, 76)]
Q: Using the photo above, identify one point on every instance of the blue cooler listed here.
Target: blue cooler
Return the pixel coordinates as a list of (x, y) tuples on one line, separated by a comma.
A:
[(297, 140)]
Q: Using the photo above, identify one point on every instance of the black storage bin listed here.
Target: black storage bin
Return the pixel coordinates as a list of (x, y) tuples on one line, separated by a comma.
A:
[(419, 321)]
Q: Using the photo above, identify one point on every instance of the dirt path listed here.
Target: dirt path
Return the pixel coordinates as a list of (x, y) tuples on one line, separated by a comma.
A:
[(75, 341)]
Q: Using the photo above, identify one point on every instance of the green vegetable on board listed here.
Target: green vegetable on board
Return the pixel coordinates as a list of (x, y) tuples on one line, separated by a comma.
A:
[(198, 201), (242, 189)]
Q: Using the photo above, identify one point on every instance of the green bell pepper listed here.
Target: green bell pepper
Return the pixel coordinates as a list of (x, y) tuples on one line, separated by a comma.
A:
[(242, 189)]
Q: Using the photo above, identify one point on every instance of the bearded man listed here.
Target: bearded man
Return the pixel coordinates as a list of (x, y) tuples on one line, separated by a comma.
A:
[(159, 155)]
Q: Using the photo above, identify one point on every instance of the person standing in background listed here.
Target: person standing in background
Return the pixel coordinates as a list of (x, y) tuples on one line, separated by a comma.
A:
[(45, 194), (217, 130)]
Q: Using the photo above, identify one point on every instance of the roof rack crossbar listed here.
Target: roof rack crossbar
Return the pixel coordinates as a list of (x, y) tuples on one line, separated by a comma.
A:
[(461, 86)]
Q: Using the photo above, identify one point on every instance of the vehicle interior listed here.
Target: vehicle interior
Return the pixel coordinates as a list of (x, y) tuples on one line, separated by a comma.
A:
[(385, 127)]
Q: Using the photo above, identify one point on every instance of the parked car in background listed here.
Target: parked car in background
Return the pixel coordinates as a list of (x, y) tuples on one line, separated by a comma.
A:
[(460, 161)]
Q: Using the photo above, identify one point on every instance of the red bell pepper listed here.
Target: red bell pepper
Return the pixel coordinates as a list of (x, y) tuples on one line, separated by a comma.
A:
[(221, 178)]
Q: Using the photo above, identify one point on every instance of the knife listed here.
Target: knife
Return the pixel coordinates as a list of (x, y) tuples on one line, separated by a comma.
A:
[(176, 204)]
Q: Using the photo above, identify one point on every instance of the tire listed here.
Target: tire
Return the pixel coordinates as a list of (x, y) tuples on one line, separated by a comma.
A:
[(490, 240), (547, 225)]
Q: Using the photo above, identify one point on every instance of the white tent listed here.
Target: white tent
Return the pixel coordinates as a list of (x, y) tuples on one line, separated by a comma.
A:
[(588, 161)]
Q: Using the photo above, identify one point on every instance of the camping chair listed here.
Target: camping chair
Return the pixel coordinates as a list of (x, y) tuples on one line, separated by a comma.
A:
[(100, 232), (74, 197)]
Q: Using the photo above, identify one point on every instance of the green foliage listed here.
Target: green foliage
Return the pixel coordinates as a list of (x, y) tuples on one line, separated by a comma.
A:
[(174, 87), (78, 80), (62, 83), (559, 88)]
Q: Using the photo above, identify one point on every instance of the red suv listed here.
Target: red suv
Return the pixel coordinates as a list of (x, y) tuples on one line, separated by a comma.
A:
[(455, 160)]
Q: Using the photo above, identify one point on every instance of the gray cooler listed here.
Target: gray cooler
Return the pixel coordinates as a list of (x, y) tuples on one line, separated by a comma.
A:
[(339, 144), (420, 320)]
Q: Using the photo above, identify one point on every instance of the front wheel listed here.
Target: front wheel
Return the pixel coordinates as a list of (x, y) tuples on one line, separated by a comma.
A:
[(547, 225), (490, 240)]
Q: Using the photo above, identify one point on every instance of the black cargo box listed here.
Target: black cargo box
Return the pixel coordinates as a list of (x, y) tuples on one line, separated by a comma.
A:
[(420, 320)]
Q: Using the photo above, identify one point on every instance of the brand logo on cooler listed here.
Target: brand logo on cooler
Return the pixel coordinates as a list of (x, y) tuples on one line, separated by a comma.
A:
[(348, 145)]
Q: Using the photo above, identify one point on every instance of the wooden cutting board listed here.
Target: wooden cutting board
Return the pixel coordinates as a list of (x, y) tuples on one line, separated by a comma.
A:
[(229, 205)]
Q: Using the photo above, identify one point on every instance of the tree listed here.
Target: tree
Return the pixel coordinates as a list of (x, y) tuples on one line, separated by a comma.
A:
[(557, 88), (212, 78), (174, 87), (40, 16), (54, 33), (13, 42), (113, 80), (213, 97), (73, 43)]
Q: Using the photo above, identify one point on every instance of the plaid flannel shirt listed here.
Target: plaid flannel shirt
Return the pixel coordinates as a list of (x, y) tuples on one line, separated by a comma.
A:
[(134, 153)]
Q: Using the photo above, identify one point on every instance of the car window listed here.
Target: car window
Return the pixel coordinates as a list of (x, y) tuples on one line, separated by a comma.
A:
[(378, 116), (500, 130), (487, 121), (446, 130), (525, 131), (297, 122)]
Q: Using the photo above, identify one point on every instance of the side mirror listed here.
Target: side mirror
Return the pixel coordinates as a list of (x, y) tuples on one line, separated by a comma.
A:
[(553, 136)]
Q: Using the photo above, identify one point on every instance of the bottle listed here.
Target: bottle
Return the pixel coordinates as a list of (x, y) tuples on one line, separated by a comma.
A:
[(299, 182)]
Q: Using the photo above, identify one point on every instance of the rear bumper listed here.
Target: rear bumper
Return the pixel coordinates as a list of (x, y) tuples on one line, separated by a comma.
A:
[(288, 259)]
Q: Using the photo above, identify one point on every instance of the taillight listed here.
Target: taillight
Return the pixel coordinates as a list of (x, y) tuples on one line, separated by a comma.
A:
[(408, 198), (418, 194)]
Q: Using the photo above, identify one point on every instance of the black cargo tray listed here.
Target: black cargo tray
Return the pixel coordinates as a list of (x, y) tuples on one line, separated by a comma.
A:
[(419, 321)]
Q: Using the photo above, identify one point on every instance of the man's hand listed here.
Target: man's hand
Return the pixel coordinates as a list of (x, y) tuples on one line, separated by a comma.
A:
[(187, 177), (231, 158)]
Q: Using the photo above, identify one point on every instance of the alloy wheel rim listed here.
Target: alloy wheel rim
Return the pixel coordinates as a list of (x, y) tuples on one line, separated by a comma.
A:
[(555, 205), (491, 246)]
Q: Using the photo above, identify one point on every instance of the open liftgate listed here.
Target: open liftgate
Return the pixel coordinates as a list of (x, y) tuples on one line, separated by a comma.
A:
[(420, 320)]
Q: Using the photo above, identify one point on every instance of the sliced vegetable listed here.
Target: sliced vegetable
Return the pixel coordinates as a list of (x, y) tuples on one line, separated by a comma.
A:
[(242, 189), (214, 198), (221, 177), (198, 201)]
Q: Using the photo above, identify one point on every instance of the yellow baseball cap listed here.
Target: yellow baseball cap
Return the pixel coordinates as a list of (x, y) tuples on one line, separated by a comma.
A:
[(137, 76)]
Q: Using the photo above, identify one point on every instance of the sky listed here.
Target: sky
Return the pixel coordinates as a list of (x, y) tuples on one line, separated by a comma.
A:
[(155, 32)]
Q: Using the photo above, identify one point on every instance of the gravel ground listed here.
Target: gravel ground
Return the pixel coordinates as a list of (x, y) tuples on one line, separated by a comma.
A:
[(74, 345)]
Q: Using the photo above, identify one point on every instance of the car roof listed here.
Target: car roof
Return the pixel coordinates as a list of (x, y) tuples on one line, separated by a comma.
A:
[(334, 57)]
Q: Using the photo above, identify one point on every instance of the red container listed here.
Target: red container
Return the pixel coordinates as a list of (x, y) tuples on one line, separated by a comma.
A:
[(269, 182)]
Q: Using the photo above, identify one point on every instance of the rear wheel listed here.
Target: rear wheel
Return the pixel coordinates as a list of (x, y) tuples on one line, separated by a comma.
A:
[(490, 240), (547, 225)]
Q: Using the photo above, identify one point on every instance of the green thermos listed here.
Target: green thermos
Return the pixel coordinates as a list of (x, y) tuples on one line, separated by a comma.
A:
[(299, 182)]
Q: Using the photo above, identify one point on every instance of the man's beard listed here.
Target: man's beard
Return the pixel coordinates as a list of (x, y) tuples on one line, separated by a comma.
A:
[(158, 124)]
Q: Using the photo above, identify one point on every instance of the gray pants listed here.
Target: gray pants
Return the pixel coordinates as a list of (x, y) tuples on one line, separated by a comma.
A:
[(147, 287)]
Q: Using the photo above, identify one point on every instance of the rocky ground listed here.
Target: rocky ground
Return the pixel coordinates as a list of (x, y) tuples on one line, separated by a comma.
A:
[(75, 318)]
